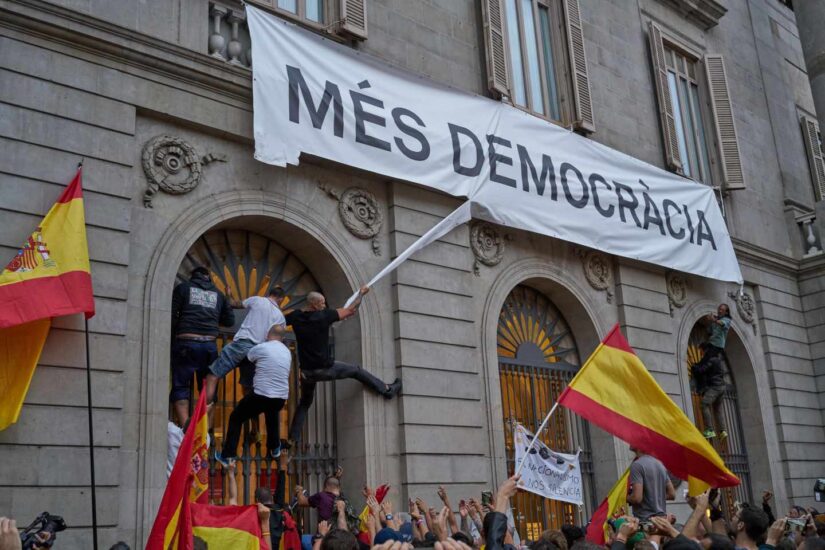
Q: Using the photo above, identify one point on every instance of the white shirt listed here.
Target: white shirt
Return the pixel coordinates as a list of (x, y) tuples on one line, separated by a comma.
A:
[(262, 314), (174, 438), (272, 363)]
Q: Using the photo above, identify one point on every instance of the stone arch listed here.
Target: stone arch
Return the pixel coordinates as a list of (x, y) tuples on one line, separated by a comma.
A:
[(754, 396), (340, 274), (588, 320)]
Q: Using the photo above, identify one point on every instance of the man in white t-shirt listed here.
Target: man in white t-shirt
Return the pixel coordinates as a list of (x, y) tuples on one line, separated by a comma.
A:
[(270, 390), (263, 312)]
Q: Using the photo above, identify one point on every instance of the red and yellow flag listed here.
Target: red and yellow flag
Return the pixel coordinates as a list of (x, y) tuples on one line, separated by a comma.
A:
[(227, 527), (187, 483), (48, 277), (615, 505), (615, 391), (363, 530)]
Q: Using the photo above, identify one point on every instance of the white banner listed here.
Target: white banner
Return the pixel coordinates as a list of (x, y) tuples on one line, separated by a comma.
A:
[(315, 96), (553, 475)]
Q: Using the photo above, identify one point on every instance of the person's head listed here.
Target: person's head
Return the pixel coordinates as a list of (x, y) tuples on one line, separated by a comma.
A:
[(796, 512), (386, 534), (276, 292), (338, 539), (332, 485), (681, 543), (572, 533), (200, 272), (750, 522), (276, 332), (644, 544), (723, 311), (636, 451), (585, 544), (820, 528), (316, 301), (813, 543), (264, 496), (715, 541), (785, 543), (544, 544), (119, 545), (461, 536), (556, 537)]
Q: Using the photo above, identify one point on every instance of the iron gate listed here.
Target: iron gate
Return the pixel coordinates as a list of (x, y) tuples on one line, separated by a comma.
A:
[(249, 264), (537, 359), (732, 449)]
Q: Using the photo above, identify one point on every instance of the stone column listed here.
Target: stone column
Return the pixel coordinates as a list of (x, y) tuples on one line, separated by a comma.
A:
[(809, 17)]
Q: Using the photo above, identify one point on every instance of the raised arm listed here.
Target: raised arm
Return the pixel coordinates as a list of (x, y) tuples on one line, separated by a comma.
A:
[(691, 528), (301, 497), (445, 498), (231, 486), (347, 312)]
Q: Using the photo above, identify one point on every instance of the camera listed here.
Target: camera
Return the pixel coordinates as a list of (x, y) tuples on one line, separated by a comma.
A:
[(41, 532)]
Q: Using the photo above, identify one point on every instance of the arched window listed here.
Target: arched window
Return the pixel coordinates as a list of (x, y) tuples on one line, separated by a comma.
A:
[(732, 448), (537, 358), (250, 264)]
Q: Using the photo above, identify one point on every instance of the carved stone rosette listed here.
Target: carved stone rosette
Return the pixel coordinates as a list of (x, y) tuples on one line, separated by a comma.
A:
[(487, 244), (598, 271), (359, 212), (745, 306), (676, 290), (172, 165)]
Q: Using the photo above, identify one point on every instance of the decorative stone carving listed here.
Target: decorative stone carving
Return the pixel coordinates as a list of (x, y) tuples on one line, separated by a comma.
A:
[(597, 270), (359, 212), (745, 306), (487, 244), (172, 165), (676, 290)]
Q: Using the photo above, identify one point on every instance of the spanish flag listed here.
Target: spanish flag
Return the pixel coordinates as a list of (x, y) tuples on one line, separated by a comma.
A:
[(48, 277), (227, 527), (188, 482), (615, 505), (615, 391)]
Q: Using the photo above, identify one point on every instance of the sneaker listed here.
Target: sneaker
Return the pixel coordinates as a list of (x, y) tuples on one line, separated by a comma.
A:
[(275, 453), (225, 462), (709, 434), (393, 389), (723, 434), (286, 444)]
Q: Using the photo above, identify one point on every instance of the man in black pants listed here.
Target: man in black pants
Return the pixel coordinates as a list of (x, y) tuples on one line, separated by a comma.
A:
[(270, 390), (311, 327)]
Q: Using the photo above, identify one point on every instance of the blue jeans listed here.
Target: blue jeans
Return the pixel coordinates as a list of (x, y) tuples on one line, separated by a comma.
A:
[(189, 357), (231, 356)]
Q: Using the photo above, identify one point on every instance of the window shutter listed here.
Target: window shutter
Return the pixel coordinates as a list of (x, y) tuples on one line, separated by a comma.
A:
[(583, 116), (498, 79), (657, 53), (816, 158), (732, 176), (354, 15)]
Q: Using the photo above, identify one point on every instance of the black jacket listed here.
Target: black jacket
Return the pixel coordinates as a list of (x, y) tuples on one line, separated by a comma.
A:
[(495, 529), (198, 308)]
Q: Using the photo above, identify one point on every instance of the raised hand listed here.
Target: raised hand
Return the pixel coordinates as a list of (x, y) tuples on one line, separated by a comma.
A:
[(323, 528)]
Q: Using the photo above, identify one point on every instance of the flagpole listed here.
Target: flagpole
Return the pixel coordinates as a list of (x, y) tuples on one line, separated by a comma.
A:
[(91, 425), (536, 435)]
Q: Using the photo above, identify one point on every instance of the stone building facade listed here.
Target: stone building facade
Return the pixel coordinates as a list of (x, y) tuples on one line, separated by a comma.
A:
[(102, 79)]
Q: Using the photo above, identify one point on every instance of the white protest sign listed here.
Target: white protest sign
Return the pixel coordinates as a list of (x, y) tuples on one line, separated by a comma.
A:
[(553, 475), (313, 95)]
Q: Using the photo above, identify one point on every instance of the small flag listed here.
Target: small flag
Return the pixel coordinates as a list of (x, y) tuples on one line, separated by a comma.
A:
[(188, 482), (363, 530), (613, 506), (48, 277), (226, 527), (615, 391)]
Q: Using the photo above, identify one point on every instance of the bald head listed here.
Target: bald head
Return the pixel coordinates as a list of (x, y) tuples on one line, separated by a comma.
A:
[(276, 332), (316, 300)]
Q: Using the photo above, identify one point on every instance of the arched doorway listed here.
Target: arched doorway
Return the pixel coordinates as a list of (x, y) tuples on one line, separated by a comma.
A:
[(727, 413), (249, 263), (537, 357)]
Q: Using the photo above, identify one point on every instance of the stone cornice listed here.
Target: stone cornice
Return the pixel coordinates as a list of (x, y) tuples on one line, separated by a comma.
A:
[(705, 13), (132, 48), (751, 254)]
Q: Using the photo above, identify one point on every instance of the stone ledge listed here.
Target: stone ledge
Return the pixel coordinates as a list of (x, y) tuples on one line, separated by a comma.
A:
[(705, 13)]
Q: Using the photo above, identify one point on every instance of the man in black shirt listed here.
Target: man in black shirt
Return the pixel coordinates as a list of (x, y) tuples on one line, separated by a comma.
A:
[(198, 307), (311, 327)]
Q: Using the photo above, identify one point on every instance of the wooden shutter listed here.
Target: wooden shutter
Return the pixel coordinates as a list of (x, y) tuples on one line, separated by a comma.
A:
[(671, 141), (583, 115), (498, 78), (816, 158), (732, 176), (354, 15)]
